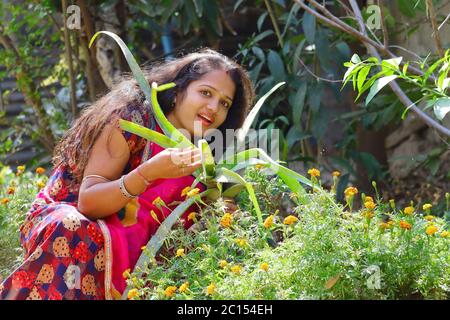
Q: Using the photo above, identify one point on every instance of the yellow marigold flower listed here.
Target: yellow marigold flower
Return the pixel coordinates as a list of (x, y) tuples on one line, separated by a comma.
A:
[(369, 205), (185, 191), (265, 266), (223, 263), (259, 166), (313, 172), (445, 234), (40, 184), (350, 191), (390, 222), (336, 173), (427, 206), (369, 214), (429, 218), (192, 216), (126, 274), (11, 190), (408, 210), (158, 202), (132, 293), (268, 222), (405, 225), (5, 201), (193, 192), (170, 291), (226, 220), (40, 170), (211, 289), (430, 230), (384, 225), (20, 170), (290, 220), (184, 287), (180, 253), (368, 198), (241, 242), (236, 269)]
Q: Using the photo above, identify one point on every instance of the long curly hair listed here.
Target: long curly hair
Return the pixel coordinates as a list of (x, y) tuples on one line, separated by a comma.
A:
[(74, 149)]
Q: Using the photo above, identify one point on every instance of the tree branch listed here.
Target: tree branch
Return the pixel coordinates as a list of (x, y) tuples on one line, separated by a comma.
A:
[(393, 84), (274, 23), (383, 24), (436, 36)]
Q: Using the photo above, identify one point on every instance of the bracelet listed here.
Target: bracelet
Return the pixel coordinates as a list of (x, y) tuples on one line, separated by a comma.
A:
[(95, 176), (124, 190), (146, 181)]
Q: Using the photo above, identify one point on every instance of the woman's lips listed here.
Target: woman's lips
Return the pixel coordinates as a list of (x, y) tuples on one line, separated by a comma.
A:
[(204, 120)]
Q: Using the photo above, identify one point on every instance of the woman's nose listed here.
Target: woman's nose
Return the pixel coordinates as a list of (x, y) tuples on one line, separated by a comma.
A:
[(213, 106)]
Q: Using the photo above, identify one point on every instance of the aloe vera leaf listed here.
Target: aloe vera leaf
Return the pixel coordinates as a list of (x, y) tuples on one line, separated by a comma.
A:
[(208, 163), (251, 116), (233, 191), (147, 133), (156, 241)]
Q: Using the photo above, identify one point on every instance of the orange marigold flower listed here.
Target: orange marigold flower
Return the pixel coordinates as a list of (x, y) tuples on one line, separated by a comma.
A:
[(236, 269), (405, 225), (350, 191), (185, 191), (370, 205), (430, 230), (290, 220), (445, 234), (132, 293), (192, 216), (336, 173), (193, 192), (268, 222), (180, 253), (40, 170), (427, 206), (313, 172), (5, 201), (184, 287), (170, 291), (226, 220), (11, 190), (409, 210), (211, 289), (265, 266), (126, 274), (429, 218), (223, 263)]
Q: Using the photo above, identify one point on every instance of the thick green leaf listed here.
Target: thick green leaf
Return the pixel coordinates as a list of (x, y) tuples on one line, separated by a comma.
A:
[(146, 133), (362, 74), (276, 66), (378, 85), (208, 163), (299, 102), (309, 27), (441, 108)]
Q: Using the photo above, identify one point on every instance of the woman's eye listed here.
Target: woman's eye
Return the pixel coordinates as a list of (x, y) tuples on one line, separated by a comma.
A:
[(205, 93), (226, 104)]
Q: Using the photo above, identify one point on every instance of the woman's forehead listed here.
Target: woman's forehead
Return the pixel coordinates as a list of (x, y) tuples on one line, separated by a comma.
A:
[(219, 81)]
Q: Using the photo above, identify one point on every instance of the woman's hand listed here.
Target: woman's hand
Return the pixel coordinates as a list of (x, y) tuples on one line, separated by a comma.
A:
[(172, 163)]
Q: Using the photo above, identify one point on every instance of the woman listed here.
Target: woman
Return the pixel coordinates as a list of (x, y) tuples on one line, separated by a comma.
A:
[(88, 225)]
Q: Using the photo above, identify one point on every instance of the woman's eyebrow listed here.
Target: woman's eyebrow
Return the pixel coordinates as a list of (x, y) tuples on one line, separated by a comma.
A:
[(207, 85)]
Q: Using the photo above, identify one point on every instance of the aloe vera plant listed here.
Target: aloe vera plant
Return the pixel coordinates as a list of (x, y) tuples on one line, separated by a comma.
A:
[(212, 174)]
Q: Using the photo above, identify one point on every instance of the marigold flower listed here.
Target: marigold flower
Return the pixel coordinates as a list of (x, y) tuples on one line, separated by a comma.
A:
[(370, 205), (384, 225), (430, 230), (236, 269), (336, 173), (223, 263), (265, 266), (313, 172), (170, 291), (290, 220), (259, 166), (193, 192), (408, 210), (369, 214), (211, 289), (40, 170), (40, 184), (368, 198), (185, 191), (268, 222), (350, 191), (405, 225), (5, 201), (192, 216), (241, 242), (180, 253), (429, 218), (11, 190), (126, 274), (427, 206), (226, 220), (20, 170), (445, 234), (184, 287), (132, 293)]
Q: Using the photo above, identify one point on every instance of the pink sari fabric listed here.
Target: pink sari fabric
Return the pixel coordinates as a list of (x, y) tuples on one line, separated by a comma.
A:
[(131, 229)]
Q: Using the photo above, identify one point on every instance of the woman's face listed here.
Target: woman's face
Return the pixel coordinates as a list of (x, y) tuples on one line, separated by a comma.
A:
[(205, 105)]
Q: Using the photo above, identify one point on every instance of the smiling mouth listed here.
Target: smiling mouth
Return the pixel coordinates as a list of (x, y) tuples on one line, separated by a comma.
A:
[(206, 121)]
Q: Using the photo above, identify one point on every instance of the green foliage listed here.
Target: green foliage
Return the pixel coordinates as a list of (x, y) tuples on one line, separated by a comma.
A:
[(326, 253)]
